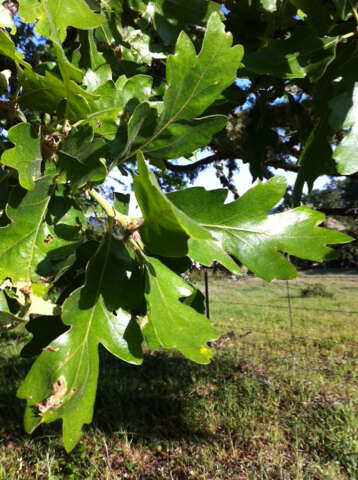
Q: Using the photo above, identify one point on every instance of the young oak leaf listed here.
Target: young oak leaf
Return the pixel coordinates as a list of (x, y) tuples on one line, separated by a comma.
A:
[(75, 13), (26, 242), (25, 156), (166, 229), (63, 380), (175, 324), (194, 83), (245, 230)]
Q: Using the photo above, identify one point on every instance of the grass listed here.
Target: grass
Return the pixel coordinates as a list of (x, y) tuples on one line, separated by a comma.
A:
[(267, 407)]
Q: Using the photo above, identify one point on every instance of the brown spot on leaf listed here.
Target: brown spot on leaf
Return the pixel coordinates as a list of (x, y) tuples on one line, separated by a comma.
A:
[(50, 349), (118, 51), (72, 392), (48, 238), (55, 400)]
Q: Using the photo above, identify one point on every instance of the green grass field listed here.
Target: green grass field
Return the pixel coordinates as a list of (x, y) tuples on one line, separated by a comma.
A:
[(274, 403)]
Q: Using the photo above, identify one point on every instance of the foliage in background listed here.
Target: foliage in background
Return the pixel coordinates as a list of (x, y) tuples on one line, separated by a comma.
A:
[(134, 85)]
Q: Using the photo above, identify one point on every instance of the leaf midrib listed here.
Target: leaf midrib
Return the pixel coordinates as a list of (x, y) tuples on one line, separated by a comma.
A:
[(93, 310), (172, 119)]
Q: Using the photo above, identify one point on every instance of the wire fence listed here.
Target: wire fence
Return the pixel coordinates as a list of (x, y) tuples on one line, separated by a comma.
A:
[(289, 305), (285, 307)]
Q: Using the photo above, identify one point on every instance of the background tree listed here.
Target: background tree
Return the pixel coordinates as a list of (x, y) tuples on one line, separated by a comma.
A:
[(339, 199)]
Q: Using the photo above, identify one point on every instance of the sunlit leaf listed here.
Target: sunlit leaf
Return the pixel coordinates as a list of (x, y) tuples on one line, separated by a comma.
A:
[(245, 230), (175, 324)]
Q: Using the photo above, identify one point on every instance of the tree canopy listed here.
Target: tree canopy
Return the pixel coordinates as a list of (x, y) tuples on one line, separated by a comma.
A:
[(89, 86)]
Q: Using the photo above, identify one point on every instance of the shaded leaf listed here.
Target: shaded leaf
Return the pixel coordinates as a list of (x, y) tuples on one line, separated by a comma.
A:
[(27, 241), (315, 160), (81, 157), (46, 93), (169, 17), (344, 115), (179, 139), (7, 319), (26, 156), (80, 144), (63, 380), (302, 55), (44, 330)]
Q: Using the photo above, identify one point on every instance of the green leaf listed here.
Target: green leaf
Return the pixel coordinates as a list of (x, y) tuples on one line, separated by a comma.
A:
[(166, 229), (209, 251), (269, 5), (140, 50), (344, 115), (46, 93), (302, 55), (7, 48), (169, 17), (7, 319), (315, 159), (27, 241), (343, 7), (26, 156), (75, 13), (179, 139), (80, 144), (195, 82), (175, 324), (315, 13), (63, 380), (52, 24), (113, 99), (243, 228), (44, 330), (94, 79), (81, 157)]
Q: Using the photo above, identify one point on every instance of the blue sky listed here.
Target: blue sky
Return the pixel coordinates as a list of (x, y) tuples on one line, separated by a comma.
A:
[(207, 179)]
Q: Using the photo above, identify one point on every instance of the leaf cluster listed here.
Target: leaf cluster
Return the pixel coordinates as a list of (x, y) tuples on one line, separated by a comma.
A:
[(132, 85)]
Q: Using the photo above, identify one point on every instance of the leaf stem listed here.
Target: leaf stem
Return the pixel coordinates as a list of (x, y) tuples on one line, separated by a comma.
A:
[(348, 35), (109, 210), (128, 223), (5, 176), (354, 10)]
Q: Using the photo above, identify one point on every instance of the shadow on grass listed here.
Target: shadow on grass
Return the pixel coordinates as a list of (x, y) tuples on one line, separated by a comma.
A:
[(147, 401), (154, 400), (161, 400)]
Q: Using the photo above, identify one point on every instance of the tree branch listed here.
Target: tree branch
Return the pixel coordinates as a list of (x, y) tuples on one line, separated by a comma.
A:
[(190, 167), (224, 180)]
